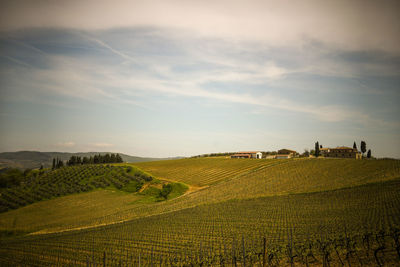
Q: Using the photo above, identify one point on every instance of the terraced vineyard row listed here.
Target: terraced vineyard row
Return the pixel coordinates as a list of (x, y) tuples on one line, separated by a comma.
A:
[(68, 180), (299, 176), (282, 177), (203, 171), (293, 176), (354, 225)]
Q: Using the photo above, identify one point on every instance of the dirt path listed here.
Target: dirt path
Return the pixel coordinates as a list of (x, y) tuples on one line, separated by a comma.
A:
[(144, 187), (191, 189)]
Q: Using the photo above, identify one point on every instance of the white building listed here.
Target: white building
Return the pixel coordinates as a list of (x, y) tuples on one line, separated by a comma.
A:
[(247, 155)]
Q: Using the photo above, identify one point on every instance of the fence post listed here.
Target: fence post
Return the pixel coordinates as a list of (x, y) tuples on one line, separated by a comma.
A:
[(201, 252), (58, 255), (244, 252), (93, 262), (264, 253), (233, 254), (151, 258)]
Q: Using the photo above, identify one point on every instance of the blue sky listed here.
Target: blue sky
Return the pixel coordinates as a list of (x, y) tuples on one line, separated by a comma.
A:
[(176, 78)]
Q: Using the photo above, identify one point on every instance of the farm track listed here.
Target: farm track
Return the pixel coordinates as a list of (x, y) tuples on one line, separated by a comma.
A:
[(192, 189)]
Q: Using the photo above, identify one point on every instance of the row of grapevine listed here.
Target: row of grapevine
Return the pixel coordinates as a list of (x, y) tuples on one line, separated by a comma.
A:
[(358, 225), (68, 180), (204, 171), (370, 248)]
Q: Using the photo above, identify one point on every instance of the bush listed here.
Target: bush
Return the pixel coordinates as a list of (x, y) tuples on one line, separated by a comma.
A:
[(166, 189), (10, 178)]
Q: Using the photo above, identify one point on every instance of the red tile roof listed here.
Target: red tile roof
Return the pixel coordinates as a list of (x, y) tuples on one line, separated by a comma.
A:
[(342, 147)]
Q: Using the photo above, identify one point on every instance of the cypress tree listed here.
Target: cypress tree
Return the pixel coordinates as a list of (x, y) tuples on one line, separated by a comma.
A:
[(107, 158), (317, 149), (54, 164), (113, 158), (363, 147), (369, 153), (59, 163), (354, 145), (85, 160)]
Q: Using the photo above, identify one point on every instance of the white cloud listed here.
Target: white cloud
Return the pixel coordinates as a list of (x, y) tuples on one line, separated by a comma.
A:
[(80, 83), (352, 24), (92, 79)]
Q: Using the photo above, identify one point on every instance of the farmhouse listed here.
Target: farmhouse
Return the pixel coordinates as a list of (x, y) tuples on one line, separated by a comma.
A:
[(285, 154), (247, 155), (341, 152)]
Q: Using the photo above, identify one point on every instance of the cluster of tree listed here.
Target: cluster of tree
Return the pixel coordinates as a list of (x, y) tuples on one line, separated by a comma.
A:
[(164, 192), (57, 163), (10, 177), (107, 158), (363, 147)]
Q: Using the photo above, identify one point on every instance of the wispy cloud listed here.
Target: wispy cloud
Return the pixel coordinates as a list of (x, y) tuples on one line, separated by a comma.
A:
[(101, 145), (66, 144), (145, 79), (274, 22), (20, 62), (93, 79)]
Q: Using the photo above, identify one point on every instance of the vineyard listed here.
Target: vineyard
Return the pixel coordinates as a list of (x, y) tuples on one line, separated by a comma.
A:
[(310, 212), (203, 171), (69, 180)]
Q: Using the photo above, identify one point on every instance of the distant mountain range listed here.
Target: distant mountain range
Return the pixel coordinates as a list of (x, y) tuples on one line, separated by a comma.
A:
[(33, 159)]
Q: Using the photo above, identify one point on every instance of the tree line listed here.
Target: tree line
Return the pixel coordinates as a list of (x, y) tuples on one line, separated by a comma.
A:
[(96, 159)]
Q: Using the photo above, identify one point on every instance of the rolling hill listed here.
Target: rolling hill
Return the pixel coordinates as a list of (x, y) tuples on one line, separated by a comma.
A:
[(310, 212), (33, 159)]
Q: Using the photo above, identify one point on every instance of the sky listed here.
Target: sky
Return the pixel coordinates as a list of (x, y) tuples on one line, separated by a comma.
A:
[(181, 78)]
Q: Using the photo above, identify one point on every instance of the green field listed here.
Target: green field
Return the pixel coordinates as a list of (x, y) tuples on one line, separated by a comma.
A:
[(41, 185), (203, 171), (310, 212)]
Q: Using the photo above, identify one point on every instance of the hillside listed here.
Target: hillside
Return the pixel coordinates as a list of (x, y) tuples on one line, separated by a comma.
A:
[(48, 184), (209, 233), (320, 206), (33, 159), (204, 171), (266, 178)]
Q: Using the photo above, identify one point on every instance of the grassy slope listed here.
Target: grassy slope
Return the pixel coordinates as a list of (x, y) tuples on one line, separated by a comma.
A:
[(68, 180), (293, 176), (268, 198), (267, 178), (204, 171), (315, 215), (305, 175), (66, 211)]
